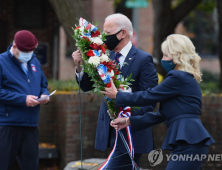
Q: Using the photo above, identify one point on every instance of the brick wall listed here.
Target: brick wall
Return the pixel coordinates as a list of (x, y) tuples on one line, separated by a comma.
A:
[(59, 124)]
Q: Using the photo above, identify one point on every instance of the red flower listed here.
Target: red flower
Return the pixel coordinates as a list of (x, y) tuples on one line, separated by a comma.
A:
[(116, 72), (95, 34), (108, 85), (105, 46), (77, 27), (86, 38), (103, 49), (94, 46), (90, 53), (97, 47)]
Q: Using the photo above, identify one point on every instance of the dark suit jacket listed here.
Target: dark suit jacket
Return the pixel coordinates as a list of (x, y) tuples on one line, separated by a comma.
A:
[(140, 64), (180, 106)]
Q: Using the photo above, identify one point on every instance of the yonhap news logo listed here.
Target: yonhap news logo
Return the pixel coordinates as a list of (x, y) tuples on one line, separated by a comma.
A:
[(155, 157)]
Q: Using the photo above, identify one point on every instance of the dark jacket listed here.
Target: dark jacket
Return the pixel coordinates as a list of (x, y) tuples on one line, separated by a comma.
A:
[(140, 64), (15, 85), (180, 106)]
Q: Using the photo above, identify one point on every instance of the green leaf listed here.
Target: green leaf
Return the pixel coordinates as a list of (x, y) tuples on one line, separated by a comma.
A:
[(95, 90), (99, 93)]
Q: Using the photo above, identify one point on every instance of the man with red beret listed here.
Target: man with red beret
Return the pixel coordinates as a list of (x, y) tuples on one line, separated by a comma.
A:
[(22, 81)]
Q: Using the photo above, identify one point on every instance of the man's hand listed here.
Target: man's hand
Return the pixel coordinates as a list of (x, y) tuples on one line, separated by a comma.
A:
[(44, 101), (31, 101), (77, 57), (110, 92)]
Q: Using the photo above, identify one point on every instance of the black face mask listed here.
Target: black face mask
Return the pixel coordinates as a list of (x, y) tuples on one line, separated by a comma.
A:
[(112, 41)]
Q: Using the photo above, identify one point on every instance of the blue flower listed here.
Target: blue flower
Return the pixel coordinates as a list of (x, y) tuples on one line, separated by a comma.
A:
[(96, 53), (107, 80), (102, 67), (119, 77)]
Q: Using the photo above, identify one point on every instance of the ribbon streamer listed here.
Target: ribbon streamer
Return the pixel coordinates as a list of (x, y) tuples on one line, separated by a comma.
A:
[(125, 112), (83, 22)]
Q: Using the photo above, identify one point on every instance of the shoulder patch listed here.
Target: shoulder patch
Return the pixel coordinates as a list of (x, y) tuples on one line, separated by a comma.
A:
[(33, 68)]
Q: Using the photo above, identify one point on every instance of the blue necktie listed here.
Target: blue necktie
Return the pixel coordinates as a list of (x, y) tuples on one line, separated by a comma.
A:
[(118, 55), (24, 69)]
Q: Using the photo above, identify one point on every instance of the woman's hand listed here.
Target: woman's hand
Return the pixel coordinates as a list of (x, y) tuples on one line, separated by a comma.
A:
[(120, 123), (110, 92)]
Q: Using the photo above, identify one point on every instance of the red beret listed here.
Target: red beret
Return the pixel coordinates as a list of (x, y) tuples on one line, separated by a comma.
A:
[(25, 40)]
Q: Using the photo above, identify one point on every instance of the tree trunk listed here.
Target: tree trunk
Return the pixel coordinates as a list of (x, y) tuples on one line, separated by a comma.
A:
[(68, 12), (165, 22), (219, 10), (162, 28)]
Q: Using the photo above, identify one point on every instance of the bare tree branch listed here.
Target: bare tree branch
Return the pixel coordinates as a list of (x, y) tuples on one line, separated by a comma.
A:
[(183, 9), (68, 11), (162, 28), (165, 22)]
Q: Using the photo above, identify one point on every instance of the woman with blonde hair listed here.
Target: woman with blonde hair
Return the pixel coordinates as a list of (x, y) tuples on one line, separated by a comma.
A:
[(180, 105)]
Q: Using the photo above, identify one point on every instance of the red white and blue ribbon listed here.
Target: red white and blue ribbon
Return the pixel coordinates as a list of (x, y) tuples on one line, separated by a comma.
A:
[(125, 112), (87, 25)]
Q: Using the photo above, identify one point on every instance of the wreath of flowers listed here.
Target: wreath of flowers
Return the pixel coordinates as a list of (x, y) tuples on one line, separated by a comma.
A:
[(97, 64)]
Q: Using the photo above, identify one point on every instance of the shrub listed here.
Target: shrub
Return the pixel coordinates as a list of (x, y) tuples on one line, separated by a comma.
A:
[(210, 83), (63, 85)]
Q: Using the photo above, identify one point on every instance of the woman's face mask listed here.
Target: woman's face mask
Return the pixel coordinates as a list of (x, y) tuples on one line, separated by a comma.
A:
[(25, 57), (112, 41), (167, 65)]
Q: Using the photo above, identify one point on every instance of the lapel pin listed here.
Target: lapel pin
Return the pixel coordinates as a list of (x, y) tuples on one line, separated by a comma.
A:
[(130, 58)]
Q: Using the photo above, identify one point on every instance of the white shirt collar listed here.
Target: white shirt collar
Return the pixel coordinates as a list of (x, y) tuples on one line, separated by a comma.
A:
[(126, 49)]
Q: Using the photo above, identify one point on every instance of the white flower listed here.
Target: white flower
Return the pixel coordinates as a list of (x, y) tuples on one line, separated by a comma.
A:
[(96, 40), (81, 29), (104, 57), (110, 73), (95, 60)]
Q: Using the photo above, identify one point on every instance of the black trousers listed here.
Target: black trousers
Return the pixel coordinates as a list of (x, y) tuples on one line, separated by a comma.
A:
[(21, 143)]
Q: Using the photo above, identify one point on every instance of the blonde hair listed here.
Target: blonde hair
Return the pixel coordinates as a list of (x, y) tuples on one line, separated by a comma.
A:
[(183, 53)]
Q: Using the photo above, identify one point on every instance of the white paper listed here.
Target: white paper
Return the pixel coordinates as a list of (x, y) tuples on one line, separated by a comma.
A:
[(43, 98)]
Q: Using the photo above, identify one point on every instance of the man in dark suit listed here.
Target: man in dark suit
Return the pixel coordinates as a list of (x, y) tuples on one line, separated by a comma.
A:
[(119, 30)]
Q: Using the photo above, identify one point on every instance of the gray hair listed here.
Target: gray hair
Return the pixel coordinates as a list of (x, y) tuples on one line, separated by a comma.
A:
[(122, 22)]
